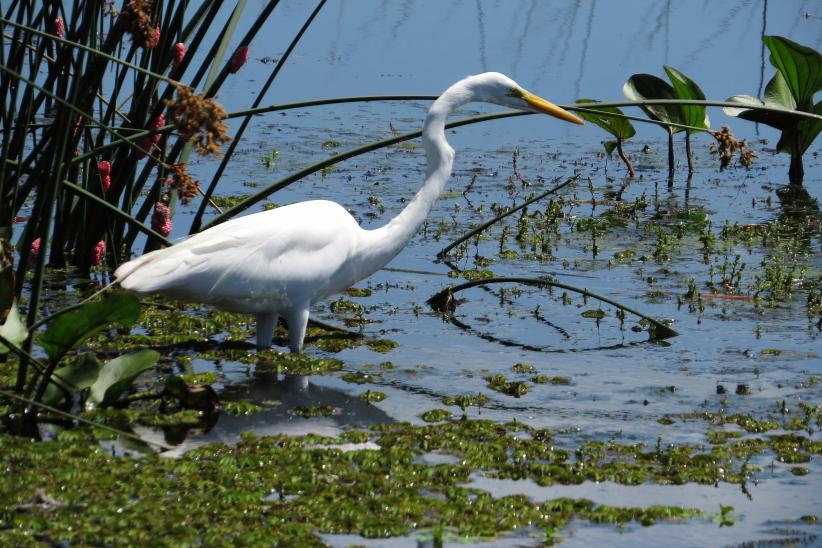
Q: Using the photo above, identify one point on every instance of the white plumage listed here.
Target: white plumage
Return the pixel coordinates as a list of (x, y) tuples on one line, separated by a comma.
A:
[(280, 262)]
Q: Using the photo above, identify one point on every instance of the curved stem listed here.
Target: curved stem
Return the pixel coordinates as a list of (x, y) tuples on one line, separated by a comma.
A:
[(443, 300), (576, 107), (444, 251), (625, 158)]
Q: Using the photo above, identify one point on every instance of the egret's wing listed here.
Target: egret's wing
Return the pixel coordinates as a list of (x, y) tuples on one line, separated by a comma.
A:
[(257, 255)]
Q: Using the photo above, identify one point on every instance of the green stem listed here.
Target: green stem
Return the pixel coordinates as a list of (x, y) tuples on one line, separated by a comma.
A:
[(117, 211), (441, 300), (501, 216), (625, 158)]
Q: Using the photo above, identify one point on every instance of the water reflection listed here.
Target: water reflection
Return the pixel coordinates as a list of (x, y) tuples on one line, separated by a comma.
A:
[(280, 395)]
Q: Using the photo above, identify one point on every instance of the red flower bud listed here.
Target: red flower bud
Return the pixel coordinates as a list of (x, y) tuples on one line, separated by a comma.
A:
[(179, 53), (99, 253), (238, 59), (159, 122), (161, 219), (33, 253), (104, 167)]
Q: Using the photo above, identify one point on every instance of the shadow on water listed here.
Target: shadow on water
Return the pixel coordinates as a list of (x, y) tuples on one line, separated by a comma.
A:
[(279, 395)]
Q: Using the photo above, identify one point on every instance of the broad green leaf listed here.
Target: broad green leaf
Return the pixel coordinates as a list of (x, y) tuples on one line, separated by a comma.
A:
[(13, 329), (117, 375), (778, 94), (803, 133), (617, 126), (801, 67), (641, 87), (610, 147), (79, 375), (73, 327), (685, 88)]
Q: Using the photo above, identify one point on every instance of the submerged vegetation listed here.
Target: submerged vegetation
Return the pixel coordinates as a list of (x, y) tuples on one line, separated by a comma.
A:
[(102, 107)]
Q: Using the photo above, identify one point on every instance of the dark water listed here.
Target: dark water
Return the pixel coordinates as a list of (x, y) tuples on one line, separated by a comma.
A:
[(618, 389)]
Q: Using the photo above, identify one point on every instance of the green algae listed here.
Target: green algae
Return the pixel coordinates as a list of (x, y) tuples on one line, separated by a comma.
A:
[(523, 368), (436, 415), (241, 408), (307, 411), (499, 383), (283, 489), (372, 396)]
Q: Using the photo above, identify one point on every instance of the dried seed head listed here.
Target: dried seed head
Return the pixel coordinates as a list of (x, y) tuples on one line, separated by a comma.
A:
[(727, 145), (199, 119), (137, 18), (185, 185)]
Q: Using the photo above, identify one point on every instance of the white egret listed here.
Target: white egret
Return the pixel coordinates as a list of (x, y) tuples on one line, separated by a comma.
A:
[(280, 262)]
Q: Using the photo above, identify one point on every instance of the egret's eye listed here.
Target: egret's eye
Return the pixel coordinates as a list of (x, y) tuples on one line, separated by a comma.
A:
[(515, 92)]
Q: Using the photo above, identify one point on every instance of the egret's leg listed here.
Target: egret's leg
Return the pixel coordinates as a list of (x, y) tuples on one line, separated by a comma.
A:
[(266, 324), (297, 322)]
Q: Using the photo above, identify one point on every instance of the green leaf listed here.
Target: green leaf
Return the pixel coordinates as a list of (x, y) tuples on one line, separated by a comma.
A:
[(795, 130), (118, 374), (71, 328), (641, 87), (801, 67), (14, 329), (778, 94), (617, 126), (685, 88), (610, 147), (801, 134), (79, 375)]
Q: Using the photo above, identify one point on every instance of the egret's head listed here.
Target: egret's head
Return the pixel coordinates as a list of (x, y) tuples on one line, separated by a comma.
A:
[(497, 88)]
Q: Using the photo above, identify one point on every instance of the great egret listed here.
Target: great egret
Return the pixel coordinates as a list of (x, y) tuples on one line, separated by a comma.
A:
[(280, 262)]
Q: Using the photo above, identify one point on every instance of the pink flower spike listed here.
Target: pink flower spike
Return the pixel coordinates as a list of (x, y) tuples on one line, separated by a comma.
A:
[(99, 252), (104, 167), (161, 219), (159, 122), (238, 59), (179, 53), (106, 183), (59, 27), (33, 253)]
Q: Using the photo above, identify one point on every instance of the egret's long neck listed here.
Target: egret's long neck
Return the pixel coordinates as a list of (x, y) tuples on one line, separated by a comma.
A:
[(384, 243)]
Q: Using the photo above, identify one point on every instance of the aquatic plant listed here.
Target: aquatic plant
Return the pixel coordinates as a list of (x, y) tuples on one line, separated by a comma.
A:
[(618, 126), (798, 78), (675, 117)]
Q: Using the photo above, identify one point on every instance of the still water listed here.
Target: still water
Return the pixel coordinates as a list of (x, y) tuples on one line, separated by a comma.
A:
[(620, 385)]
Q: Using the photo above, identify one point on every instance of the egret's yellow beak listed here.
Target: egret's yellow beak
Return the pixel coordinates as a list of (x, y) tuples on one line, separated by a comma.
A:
[(541, 105)]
